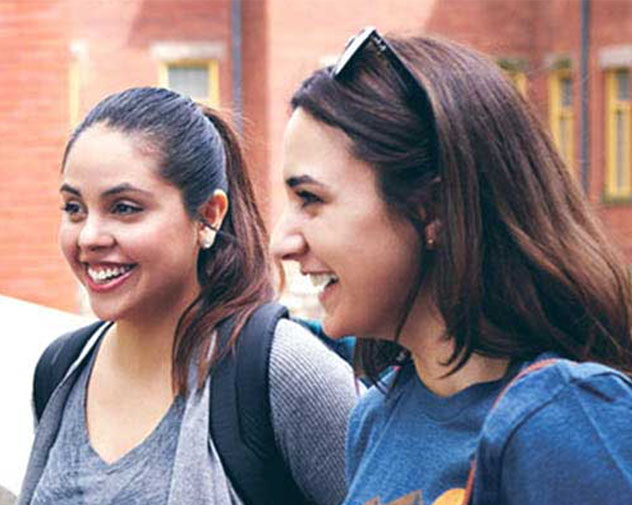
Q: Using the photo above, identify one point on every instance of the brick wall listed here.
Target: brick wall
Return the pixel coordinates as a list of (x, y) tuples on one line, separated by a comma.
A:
[(115, 41), (112, 44), (256, 107), (611, 26), (33, 126)]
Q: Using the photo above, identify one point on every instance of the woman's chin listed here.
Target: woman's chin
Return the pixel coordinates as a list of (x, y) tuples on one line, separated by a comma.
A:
[(335, 329), (107, 311), (330, 329)]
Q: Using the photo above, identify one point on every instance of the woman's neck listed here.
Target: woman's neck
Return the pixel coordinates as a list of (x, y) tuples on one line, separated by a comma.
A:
[(424, 336), (477, 369), (141, 347), (143, 342)]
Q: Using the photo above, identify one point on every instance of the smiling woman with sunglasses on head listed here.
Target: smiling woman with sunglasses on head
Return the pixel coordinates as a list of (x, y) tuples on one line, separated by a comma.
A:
[(160, 226), (446, 233)]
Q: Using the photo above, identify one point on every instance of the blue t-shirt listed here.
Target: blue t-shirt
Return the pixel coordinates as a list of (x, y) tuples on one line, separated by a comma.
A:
[(411, 446), (560, 435)]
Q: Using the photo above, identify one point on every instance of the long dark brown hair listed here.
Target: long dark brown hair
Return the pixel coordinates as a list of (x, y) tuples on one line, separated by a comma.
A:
[(199, 153), (520, 265)]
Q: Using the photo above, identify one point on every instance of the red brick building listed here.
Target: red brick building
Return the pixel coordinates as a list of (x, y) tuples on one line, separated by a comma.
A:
[(61, 56)]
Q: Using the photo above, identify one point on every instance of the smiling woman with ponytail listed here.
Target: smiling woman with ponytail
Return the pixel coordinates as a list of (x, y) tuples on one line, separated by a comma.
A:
[(161, 227)]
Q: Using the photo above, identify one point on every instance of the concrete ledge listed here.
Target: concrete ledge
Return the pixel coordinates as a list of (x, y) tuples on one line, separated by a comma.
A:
[(28, 330), (615, 56), (559, 61), (181, 51)]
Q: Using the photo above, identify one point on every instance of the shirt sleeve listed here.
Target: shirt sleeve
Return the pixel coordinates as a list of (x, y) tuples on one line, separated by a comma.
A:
[(312, 392), (575, 449)]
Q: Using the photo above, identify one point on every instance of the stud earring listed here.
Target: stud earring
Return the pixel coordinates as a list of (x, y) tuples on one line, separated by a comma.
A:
[(430, 243), (207, 240)]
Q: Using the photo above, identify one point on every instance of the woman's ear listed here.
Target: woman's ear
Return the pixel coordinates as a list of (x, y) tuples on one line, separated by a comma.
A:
[(429, 213), (431, 232), (212, 216)]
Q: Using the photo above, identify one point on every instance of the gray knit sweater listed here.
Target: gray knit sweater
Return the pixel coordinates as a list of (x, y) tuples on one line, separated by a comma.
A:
[(311, 392)]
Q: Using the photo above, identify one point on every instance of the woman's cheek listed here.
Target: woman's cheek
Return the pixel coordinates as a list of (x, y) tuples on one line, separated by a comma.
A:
[(68, 242)]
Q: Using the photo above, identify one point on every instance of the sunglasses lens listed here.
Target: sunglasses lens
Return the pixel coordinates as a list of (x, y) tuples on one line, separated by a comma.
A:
[(353, 46)]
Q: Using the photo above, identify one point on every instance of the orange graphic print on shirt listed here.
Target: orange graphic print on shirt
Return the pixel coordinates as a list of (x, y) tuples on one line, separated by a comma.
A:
[(450, 497)]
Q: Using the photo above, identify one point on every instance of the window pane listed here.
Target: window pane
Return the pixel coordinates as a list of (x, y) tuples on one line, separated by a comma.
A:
[(518, 80), (620, 149), (623, 84), (191, 80), (565, 135), (566, 90)]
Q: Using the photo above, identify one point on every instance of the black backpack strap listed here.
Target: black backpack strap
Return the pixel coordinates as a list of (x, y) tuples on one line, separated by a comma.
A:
[(54, 363), (240, 418)]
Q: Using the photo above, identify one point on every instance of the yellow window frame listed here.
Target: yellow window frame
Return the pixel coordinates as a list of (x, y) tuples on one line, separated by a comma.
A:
[(559, 113), (520, 81), (212, 98), (615, 106)]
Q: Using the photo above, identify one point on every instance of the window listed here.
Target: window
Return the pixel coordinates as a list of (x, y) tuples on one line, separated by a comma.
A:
[(516, 70), (561, 113), (519, 79), (618, 133), (197, 79)]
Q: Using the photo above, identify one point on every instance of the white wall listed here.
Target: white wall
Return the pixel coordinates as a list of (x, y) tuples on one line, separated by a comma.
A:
[(27, 329)]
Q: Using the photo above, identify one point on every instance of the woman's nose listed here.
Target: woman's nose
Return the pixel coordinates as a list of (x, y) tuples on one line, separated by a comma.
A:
[(287, 241), (94, 235)]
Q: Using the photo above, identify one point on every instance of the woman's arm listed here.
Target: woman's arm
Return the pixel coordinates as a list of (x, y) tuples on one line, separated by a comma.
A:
[(312, 392)]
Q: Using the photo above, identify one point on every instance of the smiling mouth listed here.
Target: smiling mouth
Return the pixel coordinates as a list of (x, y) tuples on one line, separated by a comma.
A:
[(104, 275), (323, 281)]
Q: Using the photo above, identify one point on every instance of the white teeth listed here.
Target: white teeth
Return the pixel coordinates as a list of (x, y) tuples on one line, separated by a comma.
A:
[(106, 274), (321, 281)]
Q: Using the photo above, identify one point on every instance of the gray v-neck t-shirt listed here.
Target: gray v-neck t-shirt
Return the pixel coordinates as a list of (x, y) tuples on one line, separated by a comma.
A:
[(76, 475)]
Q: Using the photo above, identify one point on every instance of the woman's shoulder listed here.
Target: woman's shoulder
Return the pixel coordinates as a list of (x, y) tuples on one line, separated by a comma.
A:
[(312, 391), (299, 361), (76, 337), (586, 382), (64, 350), (562, 393), (566, 419), (294, 344)]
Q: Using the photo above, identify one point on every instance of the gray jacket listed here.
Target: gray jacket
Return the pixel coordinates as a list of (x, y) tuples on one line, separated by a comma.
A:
[(311, 392)]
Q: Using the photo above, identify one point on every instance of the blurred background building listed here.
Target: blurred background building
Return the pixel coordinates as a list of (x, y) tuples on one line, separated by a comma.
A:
[(571, 58)]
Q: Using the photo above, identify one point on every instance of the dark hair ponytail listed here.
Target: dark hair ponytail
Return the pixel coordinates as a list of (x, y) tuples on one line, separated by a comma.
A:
[(234, 275)]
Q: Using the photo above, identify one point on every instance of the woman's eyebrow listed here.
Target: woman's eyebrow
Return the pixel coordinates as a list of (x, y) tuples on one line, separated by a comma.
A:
[(123, 188), (115, 190), (67, 188), (297, 180)]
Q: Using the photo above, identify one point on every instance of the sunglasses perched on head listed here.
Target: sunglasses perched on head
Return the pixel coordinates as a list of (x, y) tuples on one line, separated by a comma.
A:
[(356, 44)]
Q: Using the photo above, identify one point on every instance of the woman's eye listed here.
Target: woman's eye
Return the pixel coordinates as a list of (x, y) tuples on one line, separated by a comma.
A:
[(308, 198), (126, 209), (71, 208)]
